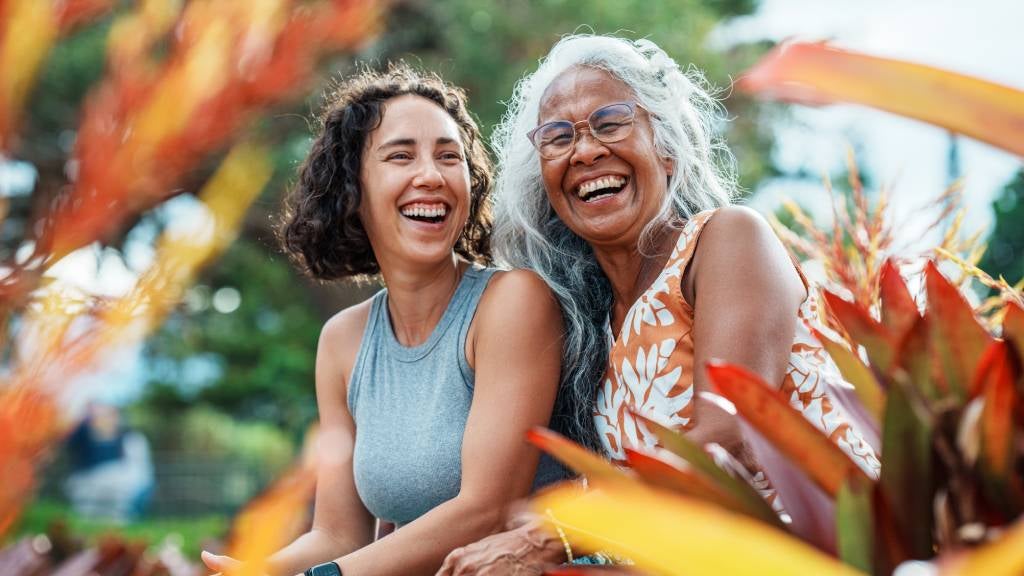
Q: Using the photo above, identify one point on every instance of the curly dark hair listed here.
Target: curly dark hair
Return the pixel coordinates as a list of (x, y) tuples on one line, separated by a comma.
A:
[(321, 229)]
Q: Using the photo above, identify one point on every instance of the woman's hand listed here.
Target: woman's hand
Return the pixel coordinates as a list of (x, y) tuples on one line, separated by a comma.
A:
[(221, 564), (526, 550)]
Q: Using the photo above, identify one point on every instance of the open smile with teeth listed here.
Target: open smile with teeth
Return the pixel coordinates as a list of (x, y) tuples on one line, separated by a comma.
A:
[(422, 212), (602, 187)]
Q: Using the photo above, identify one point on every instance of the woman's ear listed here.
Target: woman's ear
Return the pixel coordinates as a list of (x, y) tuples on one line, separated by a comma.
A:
[(669, 164)]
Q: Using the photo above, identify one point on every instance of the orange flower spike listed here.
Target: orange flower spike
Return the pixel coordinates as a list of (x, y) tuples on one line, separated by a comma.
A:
[(767, 411), (817, 74), (270, 520), (959, 338)]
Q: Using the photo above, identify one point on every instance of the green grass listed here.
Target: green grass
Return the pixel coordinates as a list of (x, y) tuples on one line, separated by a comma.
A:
[(189, 533)]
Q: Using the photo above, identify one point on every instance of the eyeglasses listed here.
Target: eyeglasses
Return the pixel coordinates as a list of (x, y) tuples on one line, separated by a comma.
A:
[(607, 124)]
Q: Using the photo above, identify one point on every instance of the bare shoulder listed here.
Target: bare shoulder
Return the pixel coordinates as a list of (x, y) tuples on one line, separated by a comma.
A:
[(518, 289), (732, 228), (345, 329), (739, 251), (339, 344)]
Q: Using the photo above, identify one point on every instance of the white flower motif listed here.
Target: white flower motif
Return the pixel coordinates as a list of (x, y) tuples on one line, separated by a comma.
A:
[(648, 310), (610, 400)]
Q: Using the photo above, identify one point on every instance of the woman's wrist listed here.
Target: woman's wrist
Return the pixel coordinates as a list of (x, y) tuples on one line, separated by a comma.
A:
[(544, 540)]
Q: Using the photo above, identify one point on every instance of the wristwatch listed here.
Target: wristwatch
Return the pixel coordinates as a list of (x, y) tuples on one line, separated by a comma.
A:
[(325, 569)]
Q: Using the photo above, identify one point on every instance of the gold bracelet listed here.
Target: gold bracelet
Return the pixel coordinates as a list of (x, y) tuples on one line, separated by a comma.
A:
[(561, 534)]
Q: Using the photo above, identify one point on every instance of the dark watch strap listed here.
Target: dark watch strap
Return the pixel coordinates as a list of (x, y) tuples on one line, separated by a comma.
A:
[(325, 569)]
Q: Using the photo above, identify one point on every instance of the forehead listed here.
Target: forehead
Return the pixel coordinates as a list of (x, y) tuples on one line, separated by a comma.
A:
[(412, 116), (578, 91)]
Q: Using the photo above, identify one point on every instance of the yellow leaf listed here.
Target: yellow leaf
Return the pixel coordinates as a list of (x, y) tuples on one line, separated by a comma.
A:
[(1004, 557), (28, 30), (668, 534)]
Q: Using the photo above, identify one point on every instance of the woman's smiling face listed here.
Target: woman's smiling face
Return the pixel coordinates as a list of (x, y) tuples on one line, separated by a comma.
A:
[(415, 182), (631, 176)]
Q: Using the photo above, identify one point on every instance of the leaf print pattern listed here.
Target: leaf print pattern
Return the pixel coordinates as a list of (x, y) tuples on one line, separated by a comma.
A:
[(650, 369)]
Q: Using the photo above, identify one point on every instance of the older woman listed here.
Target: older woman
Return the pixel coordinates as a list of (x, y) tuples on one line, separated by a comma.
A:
[(613, 188), (426, 390)]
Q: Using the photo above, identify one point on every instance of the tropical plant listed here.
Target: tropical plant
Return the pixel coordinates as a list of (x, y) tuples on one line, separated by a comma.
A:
[(939, 381), (182, 85)]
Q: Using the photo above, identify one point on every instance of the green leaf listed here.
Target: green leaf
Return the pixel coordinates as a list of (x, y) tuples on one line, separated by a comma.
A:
[(855, 524), (691, 482), (854, 371), (907, 473), (917, 358), (738, 489)]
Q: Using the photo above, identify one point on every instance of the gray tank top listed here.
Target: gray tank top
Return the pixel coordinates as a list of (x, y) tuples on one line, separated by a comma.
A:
[(410, 406)]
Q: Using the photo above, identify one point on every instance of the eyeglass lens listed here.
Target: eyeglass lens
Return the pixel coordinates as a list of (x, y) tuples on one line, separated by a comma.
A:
[(608, 124)]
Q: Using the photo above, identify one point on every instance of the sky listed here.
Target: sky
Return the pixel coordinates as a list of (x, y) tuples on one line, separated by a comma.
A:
[(982, 38), (979, 37)]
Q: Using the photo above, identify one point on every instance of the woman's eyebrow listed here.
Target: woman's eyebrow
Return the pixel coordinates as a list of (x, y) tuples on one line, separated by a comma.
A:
[(397, 142), (402, 142)]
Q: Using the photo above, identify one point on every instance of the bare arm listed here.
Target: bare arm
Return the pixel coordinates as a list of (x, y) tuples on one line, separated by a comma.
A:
[(516, 351), (745, 293), (340, 522)]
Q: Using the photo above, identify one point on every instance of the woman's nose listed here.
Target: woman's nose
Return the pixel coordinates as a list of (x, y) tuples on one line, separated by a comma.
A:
[(587, 149), (428, 176)]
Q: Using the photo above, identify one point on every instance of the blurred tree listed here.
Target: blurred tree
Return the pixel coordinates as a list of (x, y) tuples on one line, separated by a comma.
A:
[(245, 342), (1005, 254)]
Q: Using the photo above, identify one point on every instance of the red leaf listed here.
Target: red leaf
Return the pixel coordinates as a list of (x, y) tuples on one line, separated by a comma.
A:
[(573, 455), (958, 339), (995, 380), (817, 73), (899, 312), (772, 416), (864, 330), (738, 489), (688, 482), (1013, 326)]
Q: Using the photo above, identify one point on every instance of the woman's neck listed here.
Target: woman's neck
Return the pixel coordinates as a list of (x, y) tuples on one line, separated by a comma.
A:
[(631, 272), (418, 298)]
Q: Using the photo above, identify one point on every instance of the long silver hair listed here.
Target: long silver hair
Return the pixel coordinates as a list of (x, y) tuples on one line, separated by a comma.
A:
[(686, 121)]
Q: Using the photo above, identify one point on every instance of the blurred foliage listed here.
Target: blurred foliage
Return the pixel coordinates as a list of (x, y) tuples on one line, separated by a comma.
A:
[(1005, 255), (190, 534), (208, 432), (261, 355)]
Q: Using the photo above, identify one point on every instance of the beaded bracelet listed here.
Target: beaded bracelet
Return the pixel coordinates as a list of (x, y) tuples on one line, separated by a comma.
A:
[(561, 534)]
